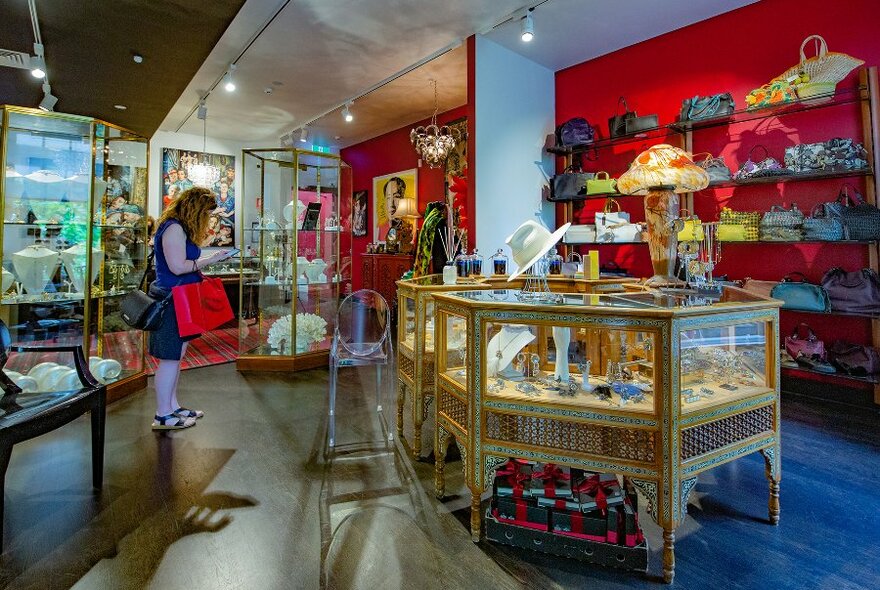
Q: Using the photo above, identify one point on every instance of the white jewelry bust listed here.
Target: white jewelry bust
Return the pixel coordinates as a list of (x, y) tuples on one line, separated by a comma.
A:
[(34, 266), (503, 348)]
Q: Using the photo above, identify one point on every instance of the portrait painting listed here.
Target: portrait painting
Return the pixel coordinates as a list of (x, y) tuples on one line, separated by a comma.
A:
[(388, 191), (360, 219)]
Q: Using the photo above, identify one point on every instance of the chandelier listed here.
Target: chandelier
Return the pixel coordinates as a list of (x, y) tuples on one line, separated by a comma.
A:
[(433, 144)]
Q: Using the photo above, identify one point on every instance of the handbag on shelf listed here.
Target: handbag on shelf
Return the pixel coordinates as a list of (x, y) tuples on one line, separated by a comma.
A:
[(601, 184), (689, 227), (861, 220), (810, 345), (700, 108), (576, 131), (805, 157), (853, 292), (854, 359), (845, 154), (612, 269), (769, 166), (201, 306), (629, 122), (138, 309), (716, 168), (759, 288), (821, 226), (615, 227), (821, 73), (776, 92), (571, 184), (801, 295), (733, 224), (782, 225), (579, 234)]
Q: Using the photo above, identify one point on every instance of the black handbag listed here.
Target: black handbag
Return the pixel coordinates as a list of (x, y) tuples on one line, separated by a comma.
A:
[(141, 311), (629, 122), (577, 131), (861, 220), (571, 184), (700, 108)]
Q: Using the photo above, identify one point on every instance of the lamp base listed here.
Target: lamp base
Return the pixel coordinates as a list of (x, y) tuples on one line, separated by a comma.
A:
[(661, 211)]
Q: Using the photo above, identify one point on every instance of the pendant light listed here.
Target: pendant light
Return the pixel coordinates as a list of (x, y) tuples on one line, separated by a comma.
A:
[(433, 144)]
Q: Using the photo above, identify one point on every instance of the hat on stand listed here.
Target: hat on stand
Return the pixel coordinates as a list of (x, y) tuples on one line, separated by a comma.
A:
[(529, 242)]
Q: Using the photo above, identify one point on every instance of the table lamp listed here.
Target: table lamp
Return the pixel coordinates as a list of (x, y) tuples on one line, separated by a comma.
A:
[(660, 174), (408, 210)]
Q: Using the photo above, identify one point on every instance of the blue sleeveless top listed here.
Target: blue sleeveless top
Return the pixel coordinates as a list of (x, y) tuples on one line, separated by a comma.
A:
[(164, 277)]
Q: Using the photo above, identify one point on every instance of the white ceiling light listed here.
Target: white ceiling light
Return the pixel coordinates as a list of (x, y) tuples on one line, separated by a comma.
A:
[(346, 113), (304, 135), (38, 62), (228, 82), (49, 101), (121, 107), (528, 27), (203, 110)]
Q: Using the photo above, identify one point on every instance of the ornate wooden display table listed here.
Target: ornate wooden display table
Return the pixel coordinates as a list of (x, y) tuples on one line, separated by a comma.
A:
[(415, 335), (682, 385)]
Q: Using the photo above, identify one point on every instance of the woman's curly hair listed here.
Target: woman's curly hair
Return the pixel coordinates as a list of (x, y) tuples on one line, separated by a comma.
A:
[(192, 209)]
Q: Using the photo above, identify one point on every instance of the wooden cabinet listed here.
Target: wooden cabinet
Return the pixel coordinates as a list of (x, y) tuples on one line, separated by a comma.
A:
[(382, 271)]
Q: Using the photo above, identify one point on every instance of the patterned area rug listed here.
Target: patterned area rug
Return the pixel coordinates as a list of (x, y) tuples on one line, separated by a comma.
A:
[(213, 348)]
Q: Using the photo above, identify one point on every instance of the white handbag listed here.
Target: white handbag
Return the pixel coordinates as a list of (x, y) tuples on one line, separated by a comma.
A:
[(580, 234), (615, 226)]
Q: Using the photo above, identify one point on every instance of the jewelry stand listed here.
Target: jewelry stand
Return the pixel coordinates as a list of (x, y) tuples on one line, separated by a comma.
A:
[(536, 289)]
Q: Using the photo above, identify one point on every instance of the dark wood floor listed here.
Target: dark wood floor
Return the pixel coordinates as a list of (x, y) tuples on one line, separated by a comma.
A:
[(247, 500)]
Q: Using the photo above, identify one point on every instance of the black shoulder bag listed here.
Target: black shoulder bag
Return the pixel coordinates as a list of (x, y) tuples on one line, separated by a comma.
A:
[(139, 309)]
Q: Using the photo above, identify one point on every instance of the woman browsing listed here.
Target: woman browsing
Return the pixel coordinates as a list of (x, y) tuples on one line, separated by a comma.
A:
[(182, 226)]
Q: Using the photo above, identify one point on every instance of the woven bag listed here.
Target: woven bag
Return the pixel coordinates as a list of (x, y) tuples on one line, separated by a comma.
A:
[(824, 67), (820, 226), (750, 220)]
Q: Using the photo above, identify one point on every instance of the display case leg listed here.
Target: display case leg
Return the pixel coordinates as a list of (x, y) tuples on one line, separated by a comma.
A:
[(401, 401), (417, 439), (441, 442), (772, 472), (476, 517), (773, 503), (668, 555)]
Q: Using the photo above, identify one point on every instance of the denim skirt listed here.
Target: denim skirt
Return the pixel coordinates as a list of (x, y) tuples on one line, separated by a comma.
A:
[(165, 342)]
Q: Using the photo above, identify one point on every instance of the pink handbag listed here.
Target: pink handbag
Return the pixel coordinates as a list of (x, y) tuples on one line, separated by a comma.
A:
[(809, 346)]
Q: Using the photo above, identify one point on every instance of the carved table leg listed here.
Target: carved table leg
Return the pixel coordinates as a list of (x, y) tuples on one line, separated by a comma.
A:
[(441, 442), (668, 555), (417, 434), (771, 471), (476, 517), (401, 401)]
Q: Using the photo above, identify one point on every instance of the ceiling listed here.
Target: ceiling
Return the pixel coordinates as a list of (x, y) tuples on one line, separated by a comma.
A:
[(568, 32), (89, 48)]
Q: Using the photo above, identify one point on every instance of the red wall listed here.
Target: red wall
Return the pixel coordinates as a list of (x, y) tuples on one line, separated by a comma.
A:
[(735, 52), (386, 154)]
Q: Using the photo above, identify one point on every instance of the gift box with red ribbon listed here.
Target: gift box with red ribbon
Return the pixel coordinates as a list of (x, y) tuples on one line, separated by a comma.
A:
[(630, 531), (551, 481), (592, 526), (514, 479), (521, 512), (592, 491)]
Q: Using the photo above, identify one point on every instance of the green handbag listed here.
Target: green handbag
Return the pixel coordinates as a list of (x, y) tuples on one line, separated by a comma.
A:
[(601, 186)]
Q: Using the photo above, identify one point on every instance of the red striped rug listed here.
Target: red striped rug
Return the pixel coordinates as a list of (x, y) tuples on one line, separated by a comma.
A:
[(212, 348)]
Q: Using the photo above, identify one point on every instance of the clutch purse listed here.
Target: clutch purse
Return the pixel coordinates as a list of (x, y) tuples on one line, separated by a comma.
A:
[(601, 184), (700, 108), (801, 295)]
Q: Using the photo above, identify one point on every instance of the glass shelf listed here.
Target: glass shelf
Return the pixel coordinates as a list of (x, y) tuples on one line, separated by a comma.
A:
[(840, 242), (652, 134), (602, 243), (870, 379), (580, 198), (872, 316), (794, 177)]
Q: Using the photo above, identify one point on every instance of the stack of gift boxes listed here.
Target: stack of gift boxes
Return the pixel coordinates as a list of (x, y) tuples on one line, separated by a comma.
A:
[(564, 501)]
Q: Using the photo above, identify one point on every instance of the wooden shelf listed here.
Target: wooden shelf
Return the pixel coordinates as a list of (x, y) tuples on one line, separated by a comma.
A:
[(839, 242), (794, 177), (870, 316), (873, 379)]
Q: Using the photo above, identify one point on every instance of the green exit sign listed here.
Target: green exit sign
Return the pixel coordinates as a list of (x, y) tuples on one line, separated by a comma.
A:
[(321, 148)]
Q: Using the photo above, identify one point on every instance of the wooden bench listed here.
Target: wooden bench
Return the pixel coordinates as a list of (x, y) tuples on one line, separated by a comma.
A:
[(27, 415)]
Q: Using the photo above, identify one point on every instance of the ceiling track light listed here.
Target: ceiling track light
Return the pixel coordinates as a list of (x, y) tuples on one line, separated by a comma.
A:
[(49, 100), (228, 82), (304, 135), (528, 27), (38, 62), (203, 110), (346, 113)]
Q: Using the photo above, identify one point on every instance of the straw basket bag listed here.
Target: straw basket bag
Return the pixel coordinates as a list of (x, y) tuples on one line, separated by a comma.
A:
[(823, 71)]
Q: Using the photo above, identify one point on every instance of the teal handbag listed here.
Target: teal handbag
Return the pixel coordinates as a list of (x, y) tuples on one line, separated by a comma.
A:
[(801, 295)]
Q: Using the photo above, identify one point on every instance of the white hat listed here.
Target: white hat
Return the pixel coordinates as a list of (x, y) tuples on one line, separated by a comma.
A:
[(529, 242)]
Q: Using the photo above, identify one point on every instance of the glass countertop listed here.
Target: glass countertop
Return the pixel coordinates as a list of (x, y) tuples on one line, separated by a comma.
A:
[(659, 299)]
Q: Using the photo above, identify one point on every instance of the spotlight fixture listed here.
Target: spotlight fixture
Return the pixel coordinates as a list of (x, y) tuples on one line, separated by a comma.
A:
[(120, 107), (49, 100), (528, 26), (137, 58), (229, 84), (38, 62), (304, 135), (346, 113), (203, 110)]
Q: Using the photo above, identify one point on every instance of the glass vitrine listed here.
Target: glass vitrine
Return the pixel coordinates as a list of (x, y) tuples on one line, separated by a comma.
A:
[(74, 195), (296, 266)]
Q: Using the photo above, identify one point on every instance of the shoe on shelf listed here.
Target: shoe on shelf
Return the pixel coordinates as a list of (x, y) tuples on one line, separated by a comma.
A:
[(187, 413), (172, 422)]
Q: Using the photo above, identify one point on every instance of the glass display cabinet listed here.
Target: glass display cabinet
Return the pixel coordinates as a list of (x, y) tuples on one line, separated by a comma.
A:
[(74, 194), (655, 386), (296, 257)]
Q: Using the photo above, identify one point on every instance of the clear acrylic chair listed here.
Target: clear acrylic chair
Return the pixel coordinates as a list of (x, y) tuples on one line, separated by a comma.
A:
[(362, 337)]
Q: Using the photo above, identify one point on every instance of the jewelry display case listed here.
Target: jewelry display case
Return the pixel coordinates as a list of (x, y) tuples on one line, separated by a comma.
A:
[(655, 386), (415, 351), (296, 263), (74, 193)]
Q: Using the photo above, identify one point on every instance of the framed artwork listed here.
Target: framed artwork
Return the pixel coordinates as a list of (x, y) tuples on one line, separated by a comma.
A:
[(359, 214), (388, 190), (183, 169)]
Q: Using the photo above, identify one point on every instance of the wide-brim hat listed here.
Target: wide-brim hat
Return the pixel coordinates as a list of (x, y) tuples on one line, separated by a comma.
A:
[(529, 242)]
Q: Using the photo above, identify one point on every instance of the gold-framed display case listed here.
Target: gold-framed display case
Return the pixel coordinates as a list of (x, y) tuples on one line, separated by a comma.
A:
[(296, 256), (415, 337), (74, 193), (656, 387)]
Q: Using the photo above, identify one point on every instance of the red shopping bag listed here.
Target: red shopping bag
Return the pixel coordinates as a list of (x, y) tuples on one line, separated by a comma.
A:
[(200, 307)]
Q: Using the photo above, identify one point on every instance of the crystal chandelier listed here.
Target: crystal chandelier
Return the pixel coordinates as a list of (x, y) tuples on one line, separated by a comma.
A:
[(434, 144)]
